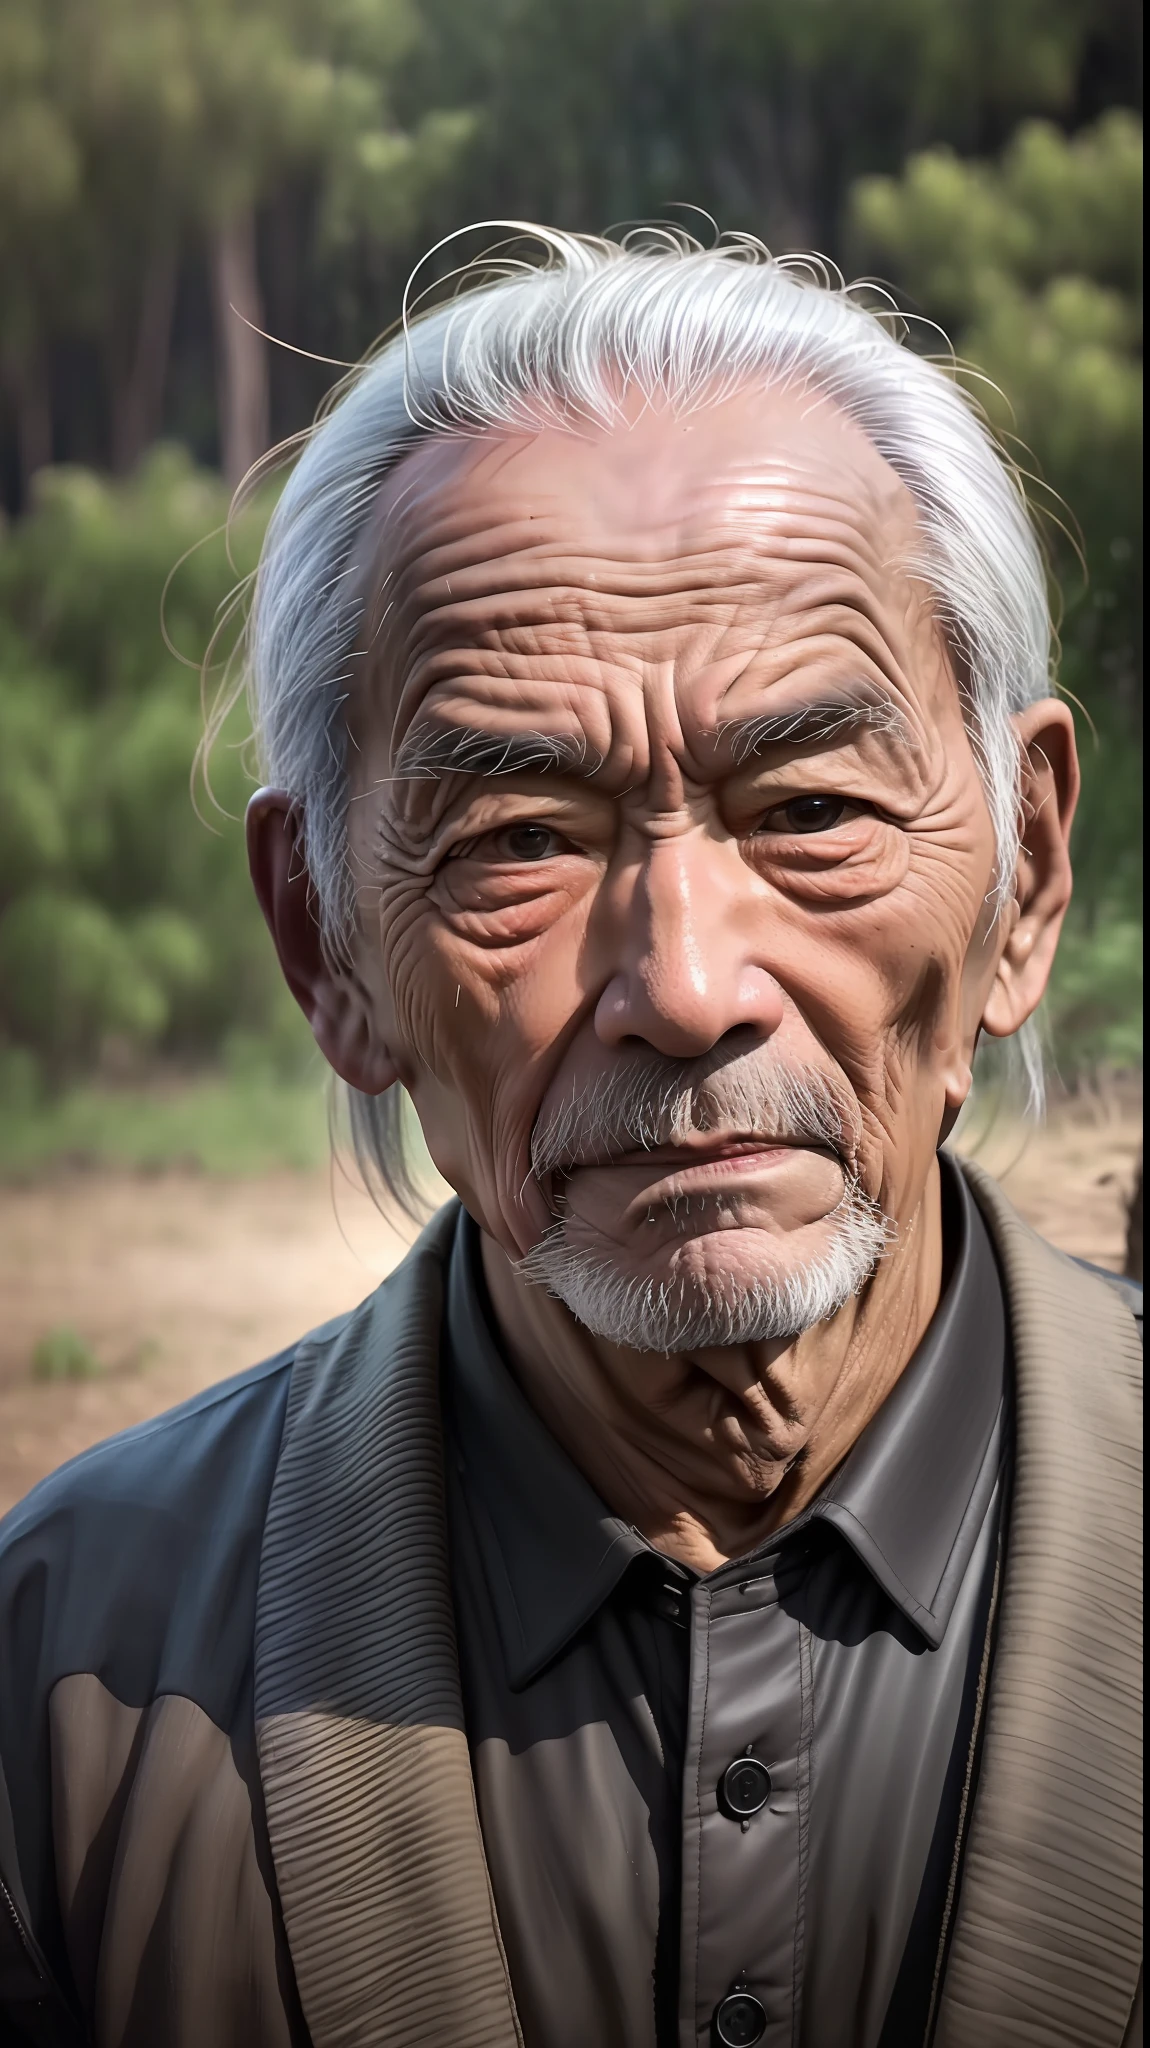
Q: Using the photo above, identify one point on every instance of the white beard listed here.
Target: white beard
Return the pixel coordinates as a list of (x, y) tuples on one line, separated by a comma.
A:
[(696, 1313)]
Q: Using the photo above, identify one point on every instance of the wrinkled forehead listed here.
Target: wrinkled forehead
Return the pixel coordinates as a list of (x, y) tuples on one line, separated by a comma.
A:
[(769, 505), (737, 466)]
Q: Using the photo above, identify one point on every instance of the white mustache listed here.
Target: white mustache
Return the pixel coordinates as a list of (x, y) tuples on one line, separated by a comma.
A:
[(651, 1102)]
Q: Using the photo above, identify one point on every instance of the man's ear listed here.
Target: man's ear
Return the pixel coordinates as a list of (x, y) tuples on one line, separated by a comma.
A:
[(332, 999), (1042, 883)]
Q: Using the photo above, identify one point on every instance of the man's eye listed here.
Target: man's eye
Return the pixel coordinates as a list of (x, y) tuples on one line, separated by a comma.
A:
[(806, 814), (528, 842)]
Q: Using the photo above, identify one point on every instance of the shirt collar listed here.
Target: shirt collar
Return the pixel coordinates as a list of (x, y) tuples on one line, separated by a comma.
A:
[(911, 1496), (551, 1552), (909, 1499)]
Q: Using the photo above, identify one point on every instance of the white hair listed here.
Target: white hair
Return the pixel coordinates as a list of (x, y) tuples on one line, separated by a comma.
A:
[(691, 1313), (562, 341)]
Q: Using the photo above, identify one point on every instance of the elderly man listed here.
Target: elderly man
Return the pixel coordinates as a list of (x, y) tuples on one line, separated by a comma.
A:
[(694, 1599)]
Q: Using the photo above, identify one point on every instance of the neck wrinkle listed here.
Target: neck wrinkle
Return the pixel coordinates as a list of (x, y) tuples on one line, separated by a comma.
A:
[(707, 1456)]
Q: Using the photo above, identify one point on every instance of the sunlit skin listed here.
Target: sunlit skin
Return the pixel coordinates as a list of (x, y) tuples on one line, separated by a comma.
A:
[(647, 592)]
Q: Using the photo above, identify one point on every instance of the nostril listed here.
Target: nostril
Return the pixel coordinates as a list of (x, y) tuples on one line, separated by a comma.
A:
[(673, 1016), (613, 1021)]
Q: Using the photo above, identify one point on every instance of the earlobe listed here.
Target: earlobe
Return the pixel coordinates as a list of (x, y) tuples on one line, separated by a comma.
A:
[(344, 1032), (331, 998), (1042, 881), (956, 1088)]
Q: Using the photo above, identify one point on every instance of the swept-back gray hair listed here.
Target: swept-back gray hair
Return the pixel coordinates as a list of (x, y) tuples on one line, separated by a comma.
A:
[(560, 340)]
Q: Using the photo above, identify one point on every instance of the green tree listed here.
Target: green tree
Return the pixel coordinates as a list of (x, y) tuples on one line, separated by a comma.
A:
[(122, 916), (761, 110), (130, 129), (1033, 265), (279, 86)]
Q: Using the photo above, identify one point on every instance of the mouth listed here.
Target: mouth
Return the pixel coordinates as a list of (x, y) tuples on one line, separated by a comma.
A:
[(706, 1151), (668, 1172)]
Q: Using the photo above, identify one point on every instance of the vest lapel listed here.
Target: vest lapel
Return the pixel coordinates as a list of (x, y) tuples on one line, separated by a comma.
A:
[(1047, 1934), (363, 1757)]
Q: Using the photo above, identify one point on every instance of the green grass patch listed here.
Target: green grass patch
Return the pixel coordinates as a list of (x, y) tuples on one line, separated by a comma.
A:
[(62, 1354), (227, 1123)]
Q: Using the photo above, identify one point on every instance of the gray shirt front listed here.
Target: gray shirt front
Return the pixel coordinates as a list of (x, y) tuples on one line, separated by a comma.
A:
[(726, 1807)]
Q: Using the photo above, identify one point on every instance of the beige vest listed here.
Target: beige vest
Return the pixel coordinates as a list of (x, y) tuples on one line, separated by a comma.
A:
[(370, 1804)]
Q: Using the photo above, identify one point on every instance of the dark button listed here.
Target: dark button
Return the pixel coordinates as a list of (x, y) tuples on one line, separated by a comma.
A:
[(739, 2020), (744, 1788)]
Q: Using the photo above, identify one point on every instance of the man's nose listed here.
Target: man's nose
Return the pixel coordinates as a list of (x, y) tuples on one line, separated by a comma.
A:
[(685, 972)]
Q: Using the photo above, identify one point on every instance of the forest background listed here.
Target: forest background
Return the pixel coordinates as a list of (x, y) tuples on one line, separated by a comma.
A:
[(179, 178)]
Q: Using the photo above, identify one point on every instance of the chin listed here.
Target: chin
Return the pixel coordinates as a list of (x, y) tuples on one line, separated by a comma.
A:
[(739, 1285)]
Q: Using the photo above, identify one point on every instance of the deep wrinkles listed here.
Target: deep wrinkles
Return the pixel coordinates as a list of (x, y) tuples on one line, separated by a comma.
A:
[(725, 568), (749, 606)]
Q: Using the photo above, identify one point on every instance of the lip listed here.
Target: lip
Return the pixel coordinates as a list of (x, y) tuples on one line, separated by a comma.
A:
[(715, 1152), (679, 1169)]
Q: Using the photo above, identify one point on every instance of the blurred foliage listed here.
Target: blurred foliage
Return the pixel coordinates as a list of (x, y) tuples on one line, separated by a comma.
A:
[(1094, 1007), (157, 155), (163, 162), (1033, 266), (131, 130), (241, 1118), (62, 1354), (126, 921), (761, 110)]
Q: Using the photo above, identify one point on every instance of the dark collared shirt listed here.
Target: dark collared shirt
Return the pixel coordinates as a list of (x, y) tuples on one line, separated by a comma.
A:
[(639, 1879)]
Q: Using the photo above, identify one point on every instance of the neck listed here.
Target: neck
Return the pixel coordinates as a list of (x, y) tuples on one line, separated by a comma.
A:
[(706, 1453)]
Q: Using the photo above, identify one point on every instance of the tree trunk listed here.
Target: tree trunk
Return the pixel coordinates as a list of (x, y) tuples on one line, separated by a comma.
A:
[(241, 353), (30, 389), (138, 387)]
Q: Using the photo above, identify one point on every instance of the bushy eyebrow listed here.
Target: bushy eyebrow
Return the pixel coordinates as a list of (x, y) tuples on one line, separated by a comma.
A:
[(826, 718), (430, 751)]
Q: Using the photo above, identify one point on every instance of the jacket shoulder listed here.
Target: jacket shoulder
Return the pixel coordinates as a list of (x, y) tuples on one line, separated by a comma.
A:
[(171, 1463), (1049, 1909), (127, 1602), (1027, 1251), (139, 1558), (1129, 1291)]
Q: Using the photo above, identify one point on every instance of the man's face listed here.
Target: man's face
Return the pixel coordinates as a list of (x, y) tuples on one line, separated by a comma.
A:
[(658, 758)]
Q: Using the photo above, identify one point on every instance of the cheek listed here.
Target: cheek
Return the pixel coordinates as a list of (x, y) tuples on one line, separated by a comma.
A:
[(880, 984), (862, 968), (508, 957), (483, 997), (921, 1045)]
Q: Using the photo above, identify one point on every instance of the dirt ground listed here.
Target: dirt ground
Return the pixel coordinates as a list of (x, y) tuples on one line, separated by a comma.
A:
[(177, 1280)]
